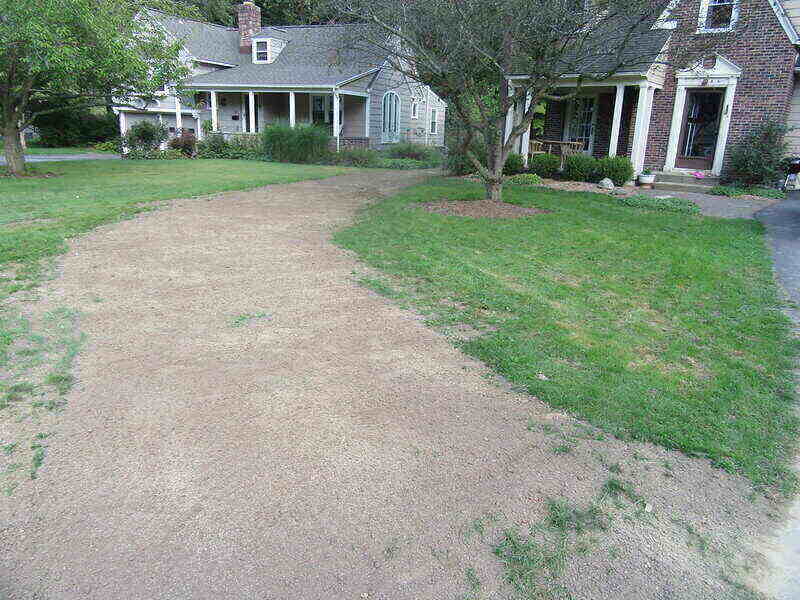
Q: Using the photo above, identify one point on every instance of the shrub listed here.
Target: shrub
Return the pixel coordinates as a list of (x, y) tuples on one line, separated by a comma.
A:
[(244, 147), (75, 127), (459, 164), (401, 164), (733, 191), (581, 167), (145, 135), (679, 205), (757, 158), (300, 144), (525, 179), (545, 165), (186, 142), (356, 157), (515, 164), (618, 169), (114, 145), (213, 146), (426, 154), (141, 154)]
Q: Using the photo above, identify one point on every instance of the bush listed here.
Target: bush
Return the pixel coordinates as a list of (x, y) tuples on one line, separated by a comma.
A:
[(426, 154), (401, 164), (618, 169), (356, 157), (459, 164), (141, 154), (679, 205), (545, 165), (300, 144), (114, 145), (186, 142), (515, 164), (525, 179), (758, 157), (213, 146), (145, 135), (79, 127), (244, 147), (734, 190), (581, 167)]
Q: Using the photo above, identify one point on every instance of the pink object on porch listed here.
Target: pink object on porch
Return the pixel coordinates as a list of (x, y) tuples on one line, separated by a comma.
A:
[(699, 175)]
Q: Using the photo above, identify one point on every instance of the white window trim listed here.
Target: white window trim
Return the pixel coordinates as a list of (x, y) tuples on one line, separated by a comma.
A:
[(255, 51), (570, 112), (434, 122), (384, 139), (704, 7)]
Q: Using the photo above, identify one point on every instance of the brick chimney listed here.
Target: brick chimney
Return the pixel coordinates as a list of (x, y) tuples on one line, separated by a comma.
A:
[(249, 17)]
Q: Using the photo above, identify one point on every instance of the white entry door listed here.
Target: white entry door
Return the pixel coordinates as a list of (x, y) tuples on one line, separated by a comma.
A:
[(581, 119)]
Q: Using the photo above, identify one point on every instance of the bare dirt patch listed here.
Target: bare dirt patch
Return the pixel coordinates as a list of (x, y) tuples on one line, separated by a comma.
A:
[(480, 209)]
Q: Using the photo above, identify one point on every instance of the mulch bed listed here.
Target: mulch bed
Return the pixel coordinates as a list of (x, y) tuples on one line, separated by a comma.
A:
[(480, 209)]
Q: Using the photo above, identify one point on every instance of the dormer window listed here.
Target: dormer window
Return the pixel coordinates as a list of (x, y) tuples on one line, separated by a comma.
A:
[(718, 15), (262, 50)]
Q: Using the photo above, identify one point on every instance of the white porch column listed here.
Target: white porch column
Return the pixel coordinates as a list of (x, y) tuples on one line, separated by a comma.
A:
[(214, 115), (509, 116), (336, 124), (616, 120), (123, 129), (178, 116), (525, 142), (367, 108), (251, 110), (292, 110), (642, 127)]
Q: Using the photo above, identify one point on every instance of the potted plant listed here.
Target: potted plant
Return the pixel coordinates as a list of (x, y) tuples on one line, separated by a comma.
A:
[(647, 178)]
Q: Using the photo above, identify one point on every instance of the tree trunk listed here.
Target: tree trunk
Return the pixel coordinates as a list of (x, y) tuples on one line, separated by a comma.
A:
[(494, 190), (15, 158)]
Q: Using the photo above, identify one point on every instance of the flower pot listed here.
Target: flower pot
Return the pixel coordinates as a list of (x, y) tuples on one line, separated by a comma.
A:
[(647, 180)]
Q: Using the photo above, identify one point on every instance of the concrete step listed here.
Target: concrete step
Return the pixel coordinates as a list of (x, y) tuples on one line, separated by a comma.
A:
[(687, 179), (682, 187)]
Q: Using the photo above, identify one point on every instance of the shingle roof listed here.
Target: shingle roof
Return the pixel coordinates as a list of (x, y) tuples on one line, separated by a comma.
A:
[(305, 60)]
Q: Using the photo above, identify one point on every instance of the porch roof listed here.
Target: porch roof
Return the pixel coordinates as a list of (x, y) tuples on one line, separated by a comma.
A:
[(310, 58)]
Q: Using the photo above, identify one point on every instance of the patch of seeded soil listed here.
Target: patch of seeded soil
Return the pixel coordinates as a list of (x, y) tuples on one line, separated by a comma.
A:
[(480, 209), (248, 421)]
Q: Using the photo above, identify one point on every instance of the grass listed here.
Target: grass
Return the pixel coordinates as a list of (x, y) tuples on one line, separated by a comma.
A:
[(736, 190), (37, 218), (34, 150), (650, 325)]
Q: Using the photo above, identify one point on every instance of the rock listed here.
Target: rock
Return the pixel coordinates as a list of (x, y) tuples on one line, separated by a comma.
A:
[(606, 184)]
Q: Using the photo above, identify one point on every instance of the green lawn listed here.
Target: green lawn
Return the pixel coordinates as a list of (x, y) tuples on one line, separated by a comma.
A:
[(42, 150), (654, 326)]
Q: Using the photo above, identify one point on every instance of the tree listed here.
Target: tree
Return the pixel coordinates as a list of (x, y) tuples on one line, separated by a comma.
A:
[(274, 12), (486, 58), (77, 53), (215, 11)]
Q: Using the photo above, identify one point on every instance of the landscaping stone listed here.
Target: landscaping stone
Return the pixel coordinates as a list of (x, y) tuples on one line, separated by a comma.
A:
[(606, 184)]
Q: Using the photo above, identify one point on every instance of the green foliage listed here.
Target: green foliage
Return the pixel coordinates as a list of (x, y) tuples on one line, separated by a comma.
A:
[(145, 136), (545, 165), (300, 144), (239, 147), (678, 205), (515, 164), (401, 164), (458, 163), (114, 145), (426, 154), (356, 157), (212, 146), (757, 158), (618, 169), (581, 167), (735, 190), (525, 179), (75, 127), (652, 325), (186, 142), (141, 154)]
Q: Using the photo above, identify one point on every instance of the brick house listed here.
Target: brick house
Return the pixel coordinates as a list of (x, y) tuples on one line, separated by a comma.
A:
[(245, 77), (676, 120)]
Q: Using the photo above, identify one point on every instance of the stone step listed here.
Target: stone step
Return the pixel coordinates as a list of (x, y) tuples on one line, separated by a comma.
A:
[(668, 186), (687, 179)]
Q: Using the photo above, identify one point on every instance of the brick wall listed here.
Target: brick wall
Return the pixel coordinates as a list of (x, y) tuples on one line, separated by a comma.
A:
[(763, 52)]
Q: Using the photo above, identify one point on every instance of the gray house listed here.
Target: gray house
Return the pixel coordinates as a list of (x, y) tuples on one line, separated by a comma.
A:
[(246, 77)]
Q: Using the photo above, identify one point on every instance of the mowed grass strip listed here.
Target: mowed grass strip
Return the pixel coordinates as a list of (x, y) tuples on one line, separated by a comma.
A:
[(655, 326)]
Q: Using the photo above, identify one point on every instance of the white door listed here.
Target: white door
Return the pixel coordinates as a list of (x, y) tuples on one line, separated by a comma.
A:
[(581, 119)]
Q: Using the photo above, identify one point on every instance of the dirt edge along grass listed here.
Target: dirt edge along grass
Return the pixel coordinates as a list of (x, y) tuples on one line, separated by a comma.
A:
[(650, 325)]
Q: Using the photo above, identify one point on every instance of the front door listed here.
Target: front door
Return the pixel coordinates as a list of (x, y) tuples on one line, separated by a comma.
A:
[(701, 118), (581, 120)]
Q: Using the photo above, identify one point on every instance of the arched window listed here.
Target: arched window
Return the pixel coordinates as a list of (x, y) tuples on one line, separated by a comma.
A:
[(391, 118)]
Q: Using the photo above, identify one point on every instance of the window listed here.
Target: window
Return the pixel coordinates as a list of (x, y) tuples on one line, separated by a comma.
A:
[(261, 51), (718, 15), (391, 118), (434, 121), (414, 108)]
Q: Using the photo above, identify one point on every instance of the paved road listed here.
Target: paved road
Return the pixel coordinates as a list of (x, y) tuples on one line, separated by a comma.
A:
[(783, 226), (63, 157)]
